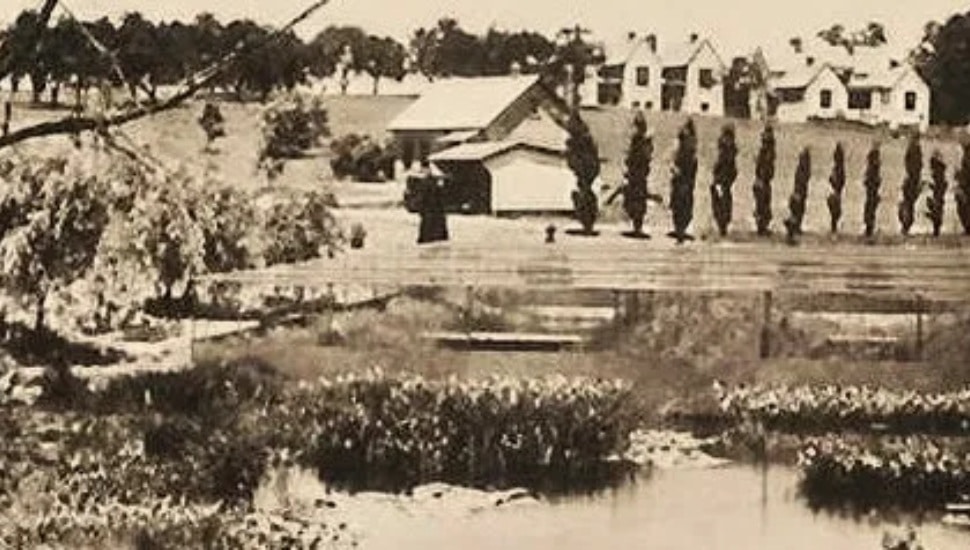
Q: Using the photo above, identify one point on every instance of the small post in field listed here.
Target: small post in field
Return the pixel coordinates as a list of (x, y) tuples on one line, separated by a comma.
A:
[(765, 341), (7, 115)]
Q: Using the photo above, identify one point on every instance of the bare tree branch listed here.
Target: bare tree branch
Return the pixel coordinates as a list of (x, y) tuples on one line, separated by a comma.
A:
[(202, 79)]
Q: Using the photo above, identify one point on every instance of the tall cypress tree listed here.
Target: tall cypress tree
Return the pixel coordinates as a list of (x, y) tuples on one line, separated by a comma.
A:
[(936, 202), (725, 173), (764, 173), (912, 185), (837, 182), (682, 182), (962, 192), (638, 159), (582, 156), (872, 182), (799, 196)]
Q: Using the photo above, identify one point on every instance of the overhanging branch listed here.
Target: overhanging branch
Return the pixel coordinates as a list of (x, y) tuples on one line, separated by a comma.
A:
[(201, 80)]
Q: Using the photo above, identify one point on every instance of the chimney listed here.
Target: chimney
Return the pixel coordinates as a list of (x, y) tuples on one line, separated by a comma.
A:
[(651, 41), (797, 45), (893, 63), (694, 37), (810, 61)]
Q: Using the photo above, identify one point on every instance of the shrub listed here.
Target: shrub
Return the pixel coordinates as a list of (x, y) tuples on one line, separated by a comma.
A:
[(583, 159), (764, 173), (936, 202), (962, 192), (682, 181), (837, 181), (725, 172), (212, 122), (872, 182), (912, 185), (290, 126), (299, 227), (361, 158), (796, 203)]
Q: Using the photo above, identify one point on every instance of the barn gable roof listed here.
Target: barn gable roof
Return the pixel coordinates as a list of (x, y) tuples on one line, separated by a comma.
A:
[(463, 103), (483, 151)]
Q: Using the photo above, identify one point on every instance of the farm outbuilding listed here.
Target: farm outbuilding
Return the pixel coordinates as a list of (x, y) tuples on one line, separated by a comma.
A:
[(506, 177)]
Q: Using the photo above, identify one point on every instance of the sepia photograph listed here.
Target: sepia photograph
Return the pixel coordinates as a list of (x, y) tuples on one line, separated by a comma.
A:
[(436, 274)]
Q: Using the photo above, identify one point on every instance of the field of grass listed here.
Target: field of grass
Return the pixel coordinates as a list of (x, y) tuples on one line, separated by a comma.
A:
[(176, 135)]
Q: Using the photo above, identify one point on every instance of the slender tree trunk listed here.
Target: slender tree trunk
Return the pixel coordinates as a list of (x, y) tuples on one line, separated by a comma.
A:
[(40, 314)]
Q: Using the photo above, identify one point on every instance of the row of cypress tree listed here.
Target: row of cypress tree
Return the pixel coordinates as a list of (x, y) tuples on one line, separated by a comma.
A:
[(583, 159)]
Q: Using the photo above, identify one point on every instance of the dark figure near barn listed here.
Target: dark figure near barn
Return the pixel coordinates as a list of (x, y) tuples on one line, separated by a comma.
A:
[(431, 208)]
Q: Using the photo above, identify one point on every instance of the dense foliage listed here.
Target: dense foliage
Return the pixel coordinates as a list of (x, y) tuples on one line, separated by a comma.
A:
[(820, 409), (837, 182), (361, 158), (683, 179), (290, 126), (912, 184), (725, 172), (764, 173), (913, 473), (583, 159)]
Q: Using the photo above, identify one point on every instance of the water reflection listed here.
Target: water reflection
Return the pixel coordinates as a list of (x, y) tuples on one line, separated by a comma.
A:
[(728, 508)]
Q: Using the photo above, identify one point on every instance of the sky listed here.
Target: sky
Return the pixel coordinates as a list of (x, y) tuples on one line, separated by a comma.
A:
[(736, 26)]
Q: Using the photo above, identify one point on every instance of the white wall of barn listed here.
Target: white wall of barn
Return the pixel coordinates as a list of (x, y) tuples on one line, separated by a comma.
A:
[(526, 181)]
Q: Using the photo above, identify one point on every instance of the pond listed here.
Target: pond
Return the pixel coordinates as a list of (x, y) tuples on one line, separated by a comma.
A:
[(727, 508)]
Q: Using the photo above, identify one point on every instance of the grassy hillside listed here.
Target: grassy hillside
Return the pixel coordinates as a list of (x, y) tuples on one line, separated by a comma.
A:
[(176, 135)]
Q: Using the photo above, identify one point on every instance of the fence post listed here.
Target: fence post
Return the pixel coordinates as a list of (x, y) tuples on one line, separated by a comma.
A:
[(765, 342)]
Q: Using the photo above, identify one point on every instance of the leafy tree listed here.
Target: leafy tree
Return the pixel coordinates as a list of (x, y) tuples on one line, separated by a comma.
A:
[(936, 202), (582, 156), (942, 60), (871, 35), (962, 192), (682, 181), (212, 123), (54, 217), (139, 53), (837, 182), (362, 158), (799, 196), (291, 125), (725, 173), (764, 173), (912, 184), (301, 227), (635, 192), (873, 181)]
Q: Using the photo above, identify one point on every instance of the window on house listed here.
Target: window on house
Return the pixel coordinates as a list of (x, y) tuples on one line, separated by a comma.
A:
[(648, 105), (825, 99), (705, 107), (910, 101), (643, 76), (860, 99), (706, 78)]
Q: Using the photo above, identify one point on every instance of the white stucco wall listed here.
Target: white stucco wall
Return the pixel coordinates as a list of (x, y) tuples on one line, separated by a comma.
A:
[(524, 181), (635, 95), (696, 96), (811, 104), (896, 113)]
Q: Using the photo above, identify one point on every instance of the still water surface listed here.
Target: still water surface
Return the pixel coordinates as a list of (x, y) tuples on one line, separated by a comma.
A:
[(732, 508)]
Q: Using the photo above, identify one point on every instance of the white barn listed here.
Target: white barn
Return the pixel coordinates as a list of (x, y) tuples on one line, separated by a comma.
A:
[(501, 177)]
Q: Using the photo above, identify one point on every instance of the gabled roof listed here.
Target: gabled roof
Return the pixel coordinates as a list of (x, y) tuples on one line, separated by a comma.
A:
[(683, 53), (798, 78), (463, 103), (884, 79), (621, 52), (483, 151), (542, 130)]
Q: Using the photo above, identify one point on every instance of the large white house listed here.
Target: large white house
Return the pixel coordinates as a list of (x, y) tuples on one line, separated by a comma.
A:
[(681, 77), (820, 81)]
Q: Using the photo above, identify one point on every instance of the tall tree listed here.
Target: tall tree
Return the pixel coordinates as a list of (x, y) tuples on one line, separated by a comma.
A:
[(837, 182), (725, 173), (764, 173), (582, 156), (872, 182), (943, 61), (683, 178), (962, 192), (936, 202), (799, 196), (912, 184), (139, 53), (635, 191)]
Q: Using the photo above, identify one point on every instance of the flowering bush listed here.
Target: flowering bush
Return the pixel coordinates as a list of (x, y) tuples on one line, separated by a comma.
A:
[(819, 409), (914, 472)]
